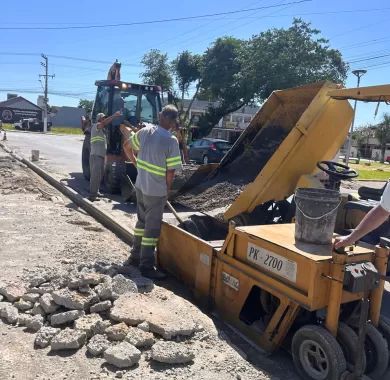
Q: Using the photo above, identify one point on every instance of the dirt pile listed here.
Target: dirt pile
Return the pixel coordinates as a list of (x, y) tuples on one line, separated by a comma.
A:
[(245, 163), (95, 305)]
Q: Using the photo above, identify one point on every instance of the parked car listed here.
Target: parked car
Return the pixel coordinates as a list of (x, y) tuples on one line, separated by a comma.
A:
[(34, 125), (208, 150)]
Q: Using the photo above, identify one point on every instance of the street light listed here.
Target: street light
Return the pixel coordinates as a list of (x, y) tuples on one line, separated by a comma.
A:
[(359, 74)]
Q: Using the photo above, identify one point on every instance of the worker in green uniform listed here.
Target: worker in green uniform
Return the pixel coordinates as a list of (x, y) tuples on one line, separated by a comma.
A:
[(98, 153), (157, 159)]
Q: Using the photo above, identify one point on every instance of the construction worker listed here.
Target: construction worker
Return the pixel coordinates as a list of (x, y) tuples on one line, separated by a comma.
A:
[(374, 218), (157, 159), (98, 153)]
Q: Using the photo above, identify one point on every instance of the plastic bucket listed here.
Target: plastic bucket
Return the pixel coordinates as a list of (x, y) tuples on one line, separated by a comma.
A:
[(315, 216), (35, 155)]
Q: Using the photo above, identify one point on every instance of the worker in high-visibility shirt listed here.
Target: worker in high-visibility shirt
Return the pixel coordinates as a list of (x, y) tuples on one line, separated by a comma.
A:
[(98, 153), (158, 156)]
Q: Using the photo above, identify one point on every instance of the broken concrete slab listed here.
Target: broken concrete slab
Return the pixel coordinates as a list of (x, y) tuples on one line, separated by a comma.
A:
[(35, 322), (12, 292), (132, 309), (122, 285), (31, 297), (144, 326), (74, 300), (23, 305), (101, 327), (117, 332), (98, 344), (47, 303), (105, 291), (91, 278), (123, 355), (171, 353), (88, 323), (23, 319), (1, 298), (171, 325), (139, 338), (101, 306), (65, 317), (37, 309), (68, 339), (45, 336), (9, 313)]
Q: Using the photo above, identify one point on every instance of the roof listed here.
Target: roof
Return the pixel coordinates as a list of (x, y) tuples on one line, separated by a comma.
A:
[(19, 102)]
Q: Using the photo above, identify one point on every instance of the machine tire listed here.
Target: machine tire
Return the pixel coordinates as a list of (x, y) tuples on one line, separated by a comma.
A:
[(205, 160), (317, 354), (377, 353), (113, 177), (384, 328), (348, 341), (85, 157)]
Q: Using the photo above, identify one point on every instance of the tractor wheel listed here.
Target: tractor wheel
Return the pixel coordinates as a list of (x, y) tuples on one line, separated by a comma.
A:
[(377, 353), (85, 157), (384, 328), (348, 341), (113, 177), (317, 355)]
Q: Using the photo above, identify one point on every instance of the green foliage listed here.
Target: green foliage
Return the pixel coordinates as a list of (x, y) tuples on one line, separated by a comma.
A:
[(87, 105), (157, 70), (382, 133), (186, 69)]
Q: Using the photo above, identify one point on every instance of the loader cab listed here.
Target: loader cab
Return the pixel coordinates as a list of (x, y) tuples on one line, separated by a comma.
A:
[(139, 104)]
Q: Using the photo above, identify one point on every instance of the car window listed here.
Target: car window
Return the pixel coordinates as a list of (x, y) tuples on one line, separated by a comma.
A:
[(195, 144), (223, 145), (205, 143)]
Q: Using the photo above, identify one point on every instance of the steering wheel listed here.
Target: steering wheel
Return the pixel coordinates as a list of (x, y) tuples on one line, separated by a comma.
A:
[(336, 170)]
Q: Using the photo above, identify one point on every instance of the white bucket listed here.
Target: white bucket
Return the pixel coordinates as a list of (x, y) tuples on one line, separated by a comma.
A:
[(35, 155)]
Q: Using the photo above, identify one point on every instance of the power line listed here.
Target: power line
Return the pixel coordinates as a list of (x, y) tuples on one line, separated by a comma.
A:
[(161, 21), (369, 58)]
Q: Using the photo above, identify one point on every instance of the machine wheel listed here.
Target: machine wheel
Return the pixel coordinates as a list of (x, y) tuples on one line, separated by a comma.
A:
[(348, 341), (317, 355), (377, 353), (85, 157), (113, 177), (205, 160)]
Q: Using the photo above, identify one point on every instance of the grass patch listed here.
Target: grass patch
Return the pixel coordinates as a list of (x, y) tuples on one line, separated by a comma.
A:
[(66, 131), (8, 127), (375, 171)]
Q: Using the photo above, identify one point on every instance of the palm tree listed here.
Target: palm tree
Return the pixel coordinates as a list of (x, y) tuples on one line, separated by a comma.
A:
[(382, 133)]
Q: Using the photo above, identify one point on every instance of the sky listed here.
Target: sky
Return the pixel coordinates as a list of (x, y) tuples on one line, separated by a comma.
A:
[(79, 56)]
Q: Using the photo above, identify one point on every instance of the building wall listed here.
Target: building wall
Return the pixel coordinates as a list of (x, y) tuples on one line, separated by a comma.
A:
[(67, 117)]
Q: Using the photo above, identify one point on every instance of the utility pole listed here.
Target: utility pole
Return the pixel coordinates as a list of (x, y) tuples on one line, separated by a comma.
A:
[(359, 74), (46, 99)]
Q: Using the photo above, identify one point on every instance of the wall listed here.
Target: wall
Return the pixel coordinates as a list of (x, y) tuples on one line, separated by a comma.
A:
[(67, 117)]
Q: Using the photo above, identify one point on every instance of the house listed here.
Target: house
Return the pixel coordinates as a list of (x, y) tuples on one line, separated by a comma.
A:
[(66, 116), (16, 108)]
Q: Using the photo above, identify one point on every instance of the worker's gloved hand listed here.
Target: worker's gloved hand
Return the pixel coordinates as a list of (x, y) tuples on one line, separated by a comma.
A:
[(343, 241)]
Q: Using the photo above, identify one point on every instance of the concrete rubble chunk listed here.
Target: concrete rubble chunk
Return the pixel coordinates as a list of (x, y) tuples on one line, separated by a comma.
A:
[(37, 309), (88, 323), (123, 355), (38, 281), (139, 338), (45, 335), (105, 291), (35, 322), (171, 353), (144, 326), (9, 313), (24, 319), (101, 327), (74, 300), (91, 278), (101, 306), (47, 303), (1, 298), (31, 297), (23, 305), (68, 339), (12, 292), (122, 285), (98, 344), (65, 317), (117, 332), (134, 309), (144, 285)]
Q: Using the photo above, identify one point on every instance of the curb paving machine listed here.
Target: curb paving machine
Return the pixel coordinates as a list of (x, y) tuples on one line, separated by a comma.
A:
[(255, 270)]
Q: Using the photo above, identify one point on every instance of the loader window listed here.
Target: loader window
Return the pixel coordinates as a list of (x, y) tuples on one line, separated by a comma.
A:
[(149, 108), (101, 101)]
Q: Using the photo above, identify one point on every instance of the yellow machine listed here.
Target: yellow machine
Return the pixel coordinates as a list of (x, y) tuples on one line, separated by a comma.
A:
[(314, 301)]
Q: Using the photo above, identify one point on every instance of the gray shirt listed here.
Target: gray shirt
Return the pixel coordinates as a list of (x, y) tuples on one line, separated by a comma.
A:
[(98, 141), (158, 151)]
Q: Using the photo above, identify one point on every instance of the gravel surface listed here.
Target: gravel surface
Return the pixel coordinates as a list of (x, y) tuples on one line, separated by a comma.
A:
[(45, 249)]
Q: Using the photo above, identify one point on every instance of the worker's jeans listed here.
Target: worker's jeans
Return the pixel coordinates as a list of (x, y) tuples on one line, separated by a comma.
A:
[(147, 229), (96, 166)]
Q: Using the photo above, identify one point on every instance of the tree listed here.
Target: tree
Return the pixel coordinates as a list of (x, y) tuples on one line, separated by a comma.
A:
[(382, 133), (157, 70), (87, 105), (362, 136), (187, 70)]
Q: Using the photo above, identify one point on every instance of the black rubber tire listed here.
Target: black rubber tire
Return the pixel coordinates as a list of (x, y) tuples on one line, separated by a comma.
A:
[(377, 353), (85, 157), (113, 177), (384, 328), (317, 338), (348, 341)]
